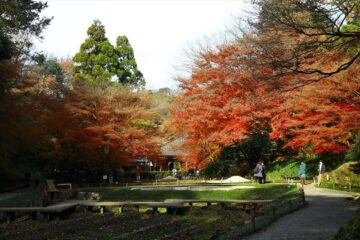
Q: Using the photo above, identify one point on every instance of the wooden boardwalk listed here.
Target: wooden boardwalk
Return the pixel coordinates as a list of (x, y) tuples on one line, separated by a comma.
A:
[(171, 206)]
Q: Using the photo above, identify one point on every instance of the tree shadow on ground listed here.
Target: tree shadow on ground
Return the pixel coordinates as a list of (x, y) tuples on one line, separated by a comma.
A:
[(355, 167)]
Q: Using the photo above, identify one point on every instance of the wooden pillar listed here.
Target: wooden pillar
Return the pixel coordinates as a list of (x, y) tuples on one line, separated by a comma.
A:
[(10, 216), (252, 215), (273, 209), (303, 196)]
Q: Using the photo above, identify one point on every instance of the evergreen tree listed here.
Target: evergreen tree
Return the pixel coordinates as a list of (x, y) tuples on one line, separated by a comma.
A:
[(19, 21), (127, 71), (100, 62)]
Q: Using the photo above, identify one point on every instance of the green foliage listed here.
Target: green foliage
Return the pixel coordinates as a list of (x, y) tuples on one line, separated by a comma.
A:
[(350, 230), (127, 71), (219, 168), (98, 61), (290, 166), (20, 18), (277, 170), (49, 67), (142, 123), (240, 158), (353, 154)]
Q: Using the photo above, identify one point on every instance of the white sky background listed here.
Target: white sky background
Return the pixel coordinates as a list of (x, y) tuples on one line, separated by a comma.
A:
[(159, 31)]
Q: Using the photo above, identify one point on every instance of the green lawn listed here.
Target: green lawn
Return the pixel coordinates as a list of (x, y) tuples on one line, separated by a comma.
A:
[(22, 199), (266, 191)]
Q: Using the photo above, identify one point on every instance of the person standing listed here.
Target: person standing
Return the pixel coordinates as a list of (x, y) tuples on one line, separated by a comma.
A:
[(302, 174), (258, 172), (138, 173), (321, 171), (263, 171)]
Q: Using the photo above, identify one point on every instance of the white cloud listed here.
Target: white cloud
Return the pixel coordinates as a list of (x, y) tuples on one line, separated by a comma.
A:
[(159, 31)]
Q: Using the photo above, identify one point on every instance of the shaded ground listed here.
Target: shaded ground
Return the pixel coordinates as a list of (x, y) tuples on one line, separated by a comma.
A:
[(327, 211), (197, 224)]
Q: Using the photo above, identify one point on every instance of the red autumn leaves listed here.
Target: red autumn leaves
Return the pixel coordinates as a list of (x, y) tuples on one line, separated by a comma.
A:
[(226, 98)]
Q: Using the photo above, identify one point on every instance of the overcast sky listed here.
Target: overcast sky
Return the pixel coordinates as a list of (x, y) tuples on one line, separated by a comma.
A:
[(159, 31)]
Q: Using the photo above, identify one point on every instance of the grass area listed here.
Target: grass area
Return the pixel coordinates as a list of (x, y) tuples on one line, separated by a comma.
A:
[(22, 199), (266, 191), (350, 230), (279, 169), (341, 187), (344, 177), (290, 167)]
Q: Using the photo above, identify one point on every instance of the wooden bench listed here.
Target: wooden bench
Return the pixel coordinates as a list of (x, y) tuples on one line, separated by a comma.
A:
[(171, 207), (48, 212), (52, 192), (68, 186), (221, 202)]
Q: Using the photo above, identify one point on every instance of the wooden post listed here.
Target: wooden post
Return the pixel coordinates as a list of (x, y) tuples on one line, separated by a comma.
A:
[(121, 209), (252, 215), (101, 210), (10, 216), (155, 209), (273, 212)]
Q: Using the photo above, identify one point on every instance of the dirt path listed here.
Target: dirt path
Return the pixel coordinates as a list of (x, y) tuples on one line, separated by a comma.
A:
[(327, 211)]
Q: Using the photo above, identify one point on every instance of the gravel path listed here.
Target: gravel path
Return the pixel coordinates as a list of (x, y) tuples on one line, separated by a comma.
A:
[(327, 211)]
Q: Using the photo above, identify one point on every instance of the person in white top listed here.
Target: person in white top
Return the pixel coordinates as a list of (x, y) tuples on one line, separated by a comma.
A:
[(258, 172), (321, 171)]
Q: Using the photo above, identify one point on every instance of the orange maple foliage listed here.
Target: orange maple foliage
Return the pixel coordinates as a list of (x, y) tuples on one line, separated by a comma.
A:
[(324, 113), (110, 125), (227, 98), (217, 106)]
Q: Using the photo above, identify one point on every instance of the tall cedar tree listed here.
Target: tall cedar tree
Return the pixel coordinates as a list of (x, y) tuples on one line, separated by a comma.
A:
[(20, 21), (100, 62)]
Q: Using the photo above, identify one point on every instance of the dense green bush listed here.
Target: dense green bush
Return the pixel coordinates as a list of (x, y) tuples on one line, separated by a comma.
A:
[(353, 154), (240, 158), (350, 230)]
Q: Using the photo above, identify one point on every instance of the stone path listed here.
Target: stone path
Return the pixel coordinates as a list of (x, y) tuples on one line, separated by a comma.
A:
[(327, 211)]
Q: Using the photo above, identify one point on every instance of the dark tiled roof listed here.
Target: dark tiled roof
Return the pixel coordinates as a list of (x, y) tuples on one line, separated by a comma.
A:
[(172, 148)]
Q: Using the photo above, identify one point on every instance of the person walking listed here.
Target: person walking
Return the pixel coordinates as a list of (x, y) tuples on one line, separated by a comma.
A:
[(258, 172), (263, 171), (138, 173), (302, 174), (321, 171)]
